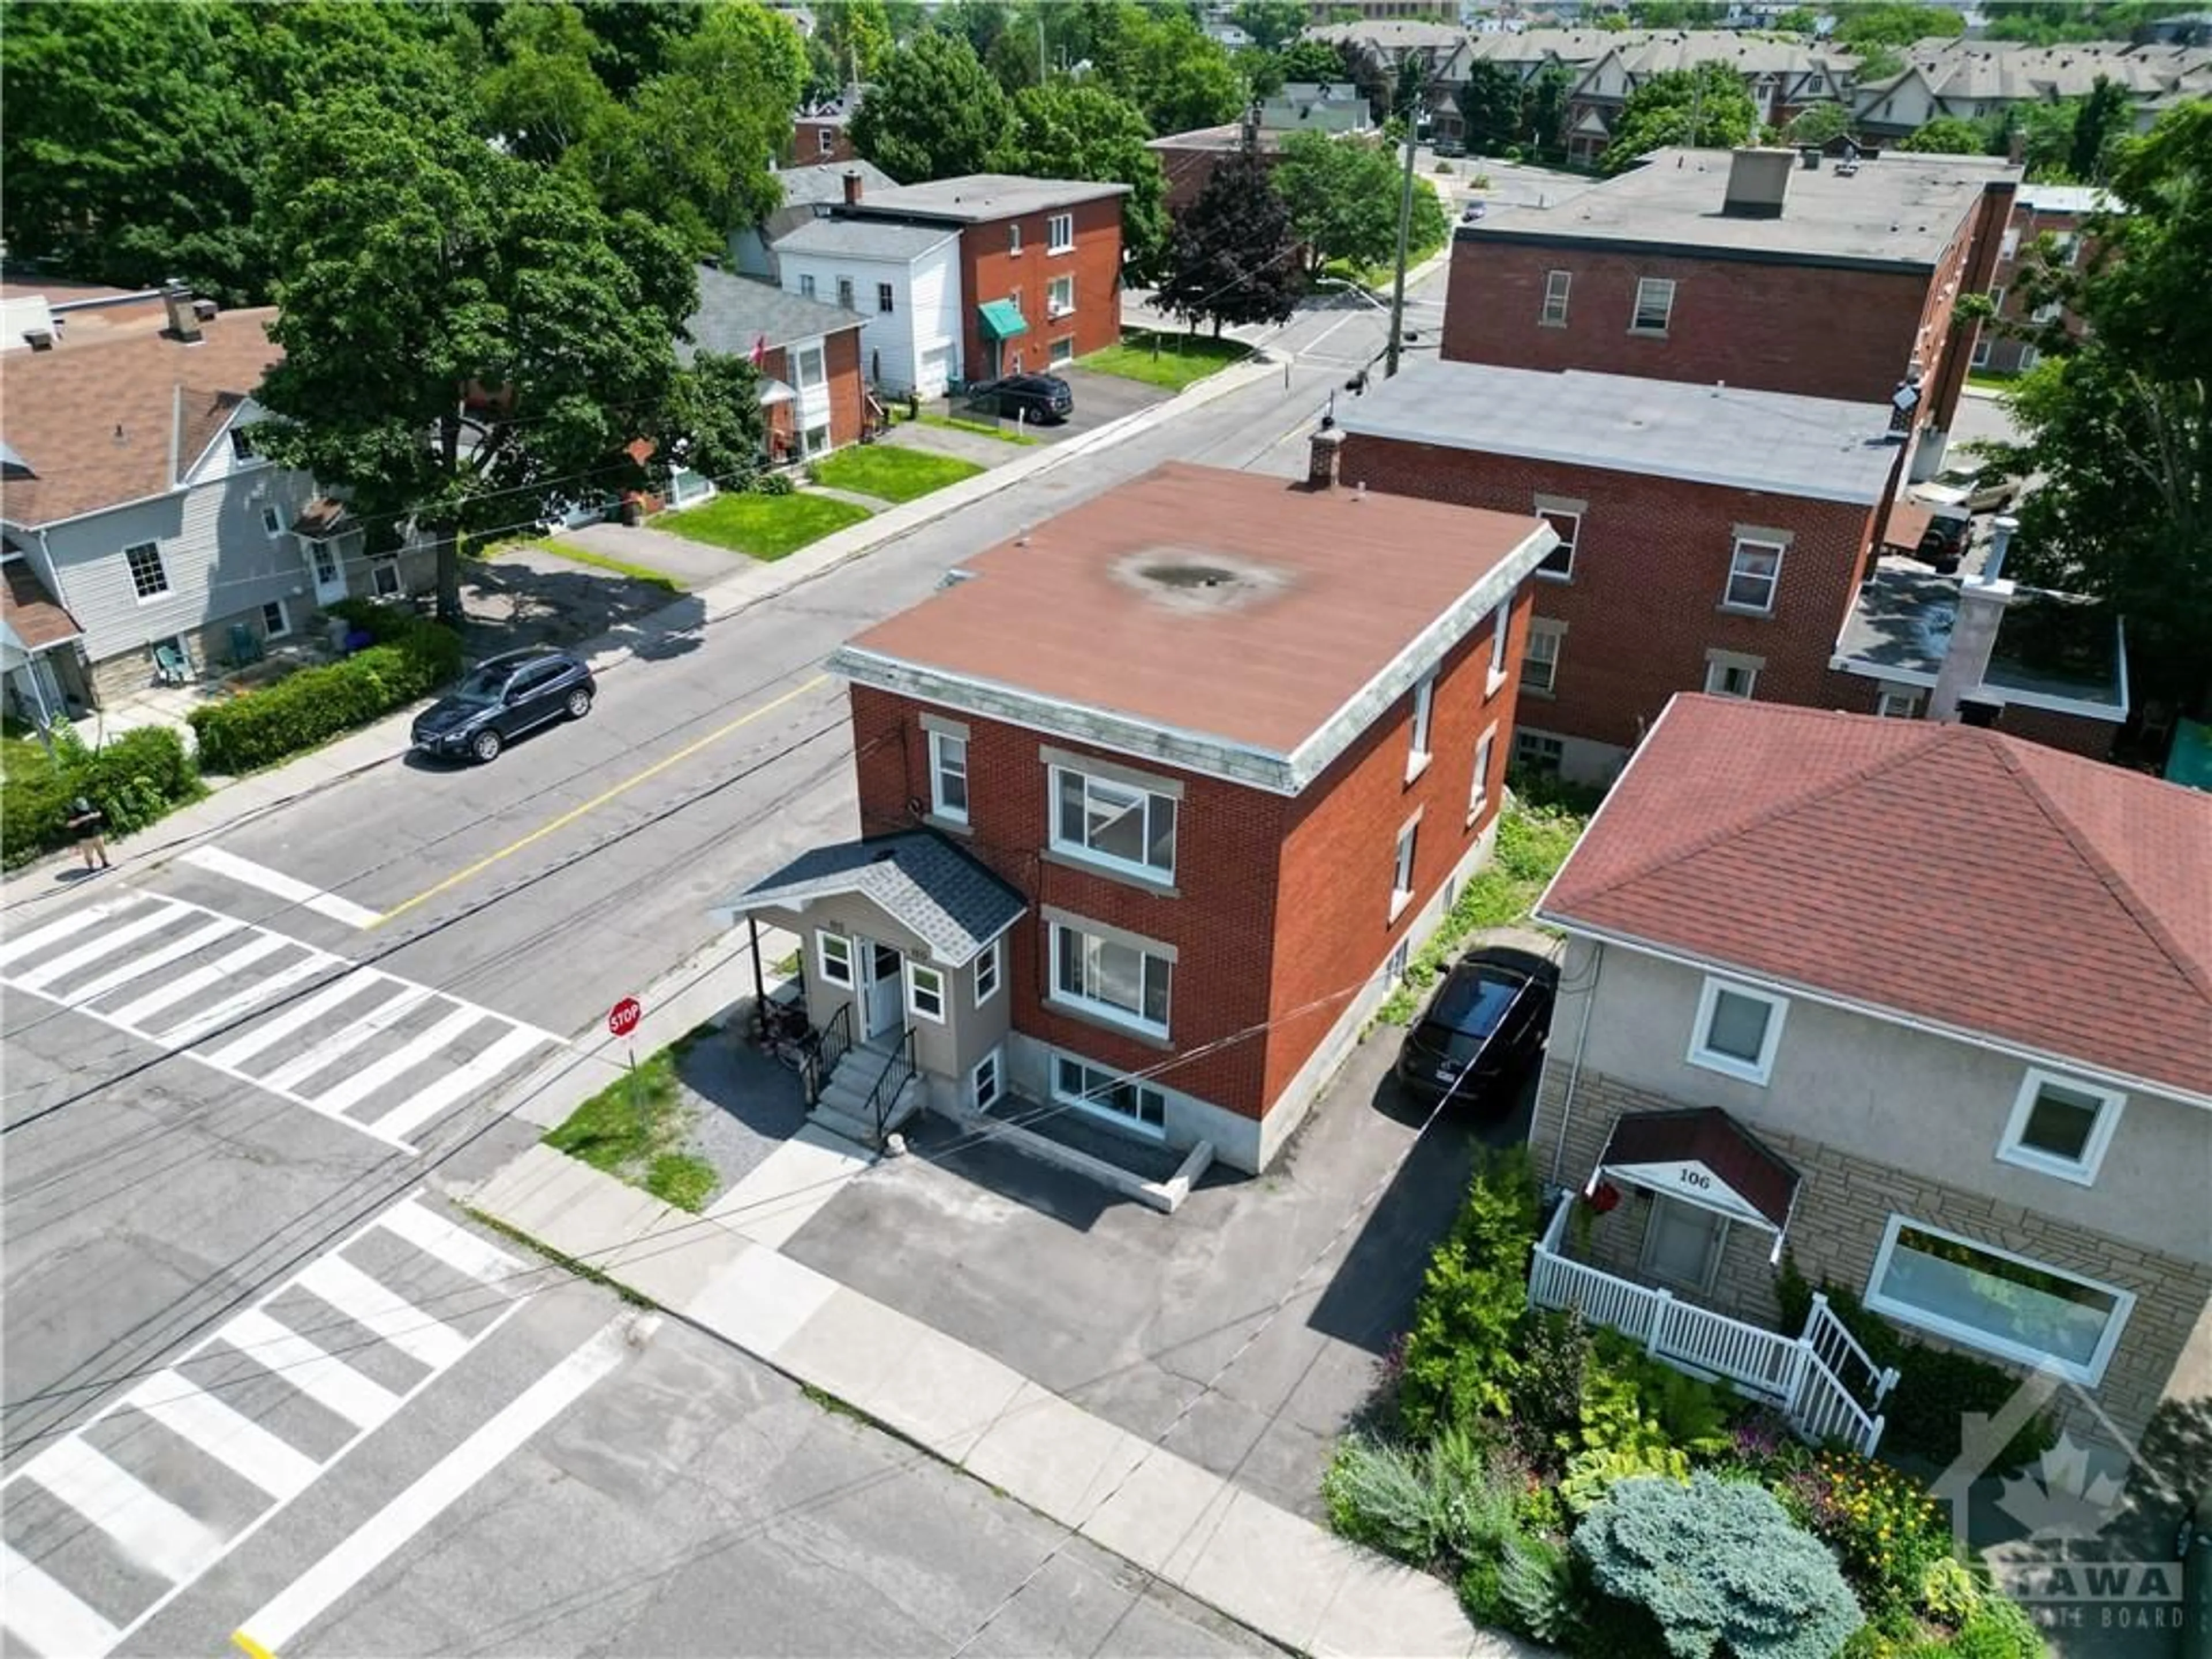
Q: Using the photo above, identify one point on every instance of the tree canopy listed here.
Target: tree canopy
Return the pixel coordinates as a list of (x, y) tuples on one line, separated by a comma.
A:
[(1489, 108), (1272, 24), (1817, 124), (1947, 134), (934, 112), (1342, 194), (1066, 130), (1232, 257), (1897, 24), (1661, 112)]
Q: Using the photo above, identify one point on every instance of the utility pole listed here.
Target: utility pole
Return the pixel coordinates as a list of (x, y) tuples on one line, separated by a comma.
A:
[(1043, 73), (1405, 225)]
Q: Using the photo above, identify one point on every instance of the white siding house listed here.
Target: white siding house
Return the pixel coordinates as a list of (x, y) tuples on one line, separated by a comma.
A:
[(904, 280)]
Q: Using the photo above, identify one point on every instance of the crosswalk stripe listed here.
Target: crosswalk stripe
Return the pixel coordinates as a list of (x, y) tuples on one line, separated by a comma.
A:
[(145, 962), (343, 1042), (378, 1308), (113, 939), (153, 1531), (235, 1007), (322, 1377), (387, 1068), (285, 887), (190, 985), (454, 1246), (457, 1084), (61, 928), (42, 1613), (235, 1054), (231, 1438)]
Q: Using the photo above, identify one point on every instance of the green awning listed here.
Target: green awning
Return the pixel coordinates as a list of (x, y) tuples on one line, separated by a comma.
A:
[(1001, 319), (2190, 760)]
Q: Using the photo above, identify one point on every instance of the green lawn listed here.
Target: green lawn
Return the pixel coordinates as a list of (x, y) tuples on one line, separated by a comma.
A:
[(637, 573), (765, 527), (891, 473), (1158, 358), (636, 1129), (1977, 378)]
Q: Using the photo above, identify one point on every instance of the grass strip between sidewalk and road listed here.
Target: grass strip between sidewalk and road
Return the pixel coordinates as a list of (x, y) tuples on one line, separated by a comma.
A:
[(1161, 359), (763, 527), (891, 473), (638, 1129)]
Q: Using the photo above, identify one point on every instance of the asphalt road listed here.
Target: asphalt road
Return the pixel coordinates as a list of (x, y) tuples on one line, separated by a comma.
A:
[(467, 922)]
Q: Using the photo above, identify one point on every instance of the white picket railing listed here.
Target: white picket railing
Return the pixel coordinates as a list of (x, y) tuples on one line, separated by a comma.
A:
[(1802, 1374)]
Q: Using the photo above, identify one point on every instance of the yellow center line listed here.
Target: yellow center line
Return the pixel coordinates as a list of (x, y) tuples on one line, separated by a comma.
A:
[(598, 800), (249, 1647)]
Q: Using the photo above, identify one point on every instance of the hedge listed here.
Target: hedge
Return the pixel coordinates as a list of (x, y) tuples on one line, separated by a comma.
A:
[(138, 777), (411, 658)]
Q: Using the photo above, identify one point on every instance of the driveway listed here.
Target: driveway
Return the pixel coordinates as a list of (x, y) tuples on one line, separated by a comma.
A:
[(695, 564), (1130, 1314), (1099, 399)]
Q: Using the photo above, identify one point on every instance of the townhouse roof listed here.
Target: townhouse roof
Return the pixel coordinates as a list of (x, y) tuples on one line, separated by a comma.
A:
[(824, 183), (735, 313), (2079, 199), (1949, 875), (2053, 650), (1224, 622), (122, 416), (1822, 448), (938, 891), (977, 197), (31, 614), (1648, 51), (1391, 34), (1897, 211), (2014, 72), (864, 239)]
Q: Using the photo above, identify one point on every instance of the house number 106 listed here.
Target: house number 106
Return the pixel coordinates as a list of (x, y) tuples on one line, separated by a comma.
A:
[(1697, 1178)]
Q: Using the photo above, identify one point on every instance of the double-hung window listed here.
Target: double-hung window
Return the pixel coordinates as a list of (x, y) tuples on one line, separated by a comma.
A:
[(1123, 826), (986, 1083), (1478, 794), (1501, 626), (833, 957), (148, 576), (1567, 524), (1112, 976), (948, 777), (1994, 1300), (924, 992), (805, 284), (987, 972), (2061, 1125), (1539, 663), (1737, 1030), (1755, 572), (845, 294), (813, 372), (1654, 305), (1402, 870), (1060, 232), (1556, 285), (1060, 297), (1125, 1100), (1416, 751), (884, 300), (1014, 236)]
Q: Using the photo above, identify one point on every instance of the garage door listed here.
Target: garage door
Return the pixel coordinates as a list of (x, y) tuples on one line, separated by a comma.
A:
[(936, 370)]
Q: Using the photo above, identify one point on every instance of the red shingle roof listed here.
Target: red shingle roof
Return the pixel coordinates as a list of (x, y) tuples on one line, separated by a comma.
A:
[(33, 614), (1944, 872)]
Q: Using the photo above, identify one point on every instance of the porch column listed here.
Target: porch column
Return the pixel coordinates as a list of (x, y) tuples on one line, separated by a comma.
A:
[(760, 985)]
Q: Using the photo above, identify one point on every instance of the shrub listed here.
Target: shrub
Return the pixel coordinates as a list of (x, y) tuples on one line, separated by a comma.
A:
[(1459, 1358), (1379, 1494), (1997, 1630), (1948, 1593), (1593, 1473), (133, 779), (1536, 1582), (411, 657), (1474, 1498), (1887, 1532), (1547, 1390), (774, 483), (1716, 1562)]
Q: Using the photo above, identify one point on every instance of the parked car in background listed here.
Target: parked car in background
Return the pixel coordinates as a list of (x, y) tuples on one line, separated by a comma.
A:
[(1986, 490), (1483, 1027), (502, 698), (1034, 397)]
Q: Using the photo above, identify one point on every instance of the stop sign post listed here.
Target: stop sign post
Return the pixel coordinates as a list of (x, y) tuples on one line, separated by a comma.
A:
[(621, 1020)]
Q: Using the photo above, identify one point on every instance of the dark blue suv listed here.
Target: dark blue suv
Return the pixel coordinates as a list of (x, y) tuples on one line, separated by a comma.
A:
[(502, 698)]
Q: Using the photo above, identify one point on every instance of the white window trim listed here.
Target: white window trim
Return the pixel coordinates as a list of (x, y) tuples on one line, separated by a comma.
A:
[(1501, 628), (1570, 542), (915, 973), (1486, 756), (1106, 1114), (1565, 280), (1636, 325), (272, 523), (1419, 753), (284, 629), (1897, 703), (384, 578), (822, 959), (996, 1061), (1060, 233), (847, 295), (989, 958), (805, 284), (2124, 1304), (2011, 1150), (1086, 855), (938, 805), (1538, 629), (1014, 237), (1757, 1071), (821, 375), (1107, 1012), (1055, 309), (160, 568), (1716, 673), (1774, 583), (1405, 861)]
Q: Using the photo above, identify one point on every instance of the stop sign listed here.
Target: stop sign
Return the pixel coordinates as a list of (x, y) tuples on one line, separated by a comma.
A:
[(622, 1018)]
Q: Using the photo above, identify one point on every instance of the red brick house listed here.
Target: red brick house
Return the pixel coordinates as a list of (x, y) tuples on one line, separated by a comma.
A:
[(2058, 210), (1154, 803), (809, 354), (1040, 263), (1750, 269), (822, 132)]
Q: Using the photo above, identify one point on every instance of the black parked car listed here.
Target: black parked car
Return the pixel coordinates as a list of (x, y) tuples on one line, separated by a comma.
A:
[(502, 698), (1036, 397), (1485, 1024)]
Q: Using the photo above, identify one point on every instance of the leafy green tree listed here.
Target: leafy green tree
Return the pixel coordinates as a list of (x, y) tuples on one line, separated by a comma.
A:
[(713, 421), (1817, 124), (2105, 115), (856, 34), (1947, 134), (634, 37), (419, 264), (542, 96), (1343, 195), (979, 23), (1897, 24), (1065, 130), (1232, 257), (1490, 107), (2117, 418), (1313, 62), (933, 113), (1272, 24), (1544, 113), (1660, 112), (1164, 64)]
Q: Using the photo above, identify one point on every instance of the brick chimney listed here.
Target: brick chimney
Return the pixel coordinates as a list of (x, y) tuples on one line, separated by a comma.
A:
[(1958, 682), (1323, 450), (183, 316), (852, 187)]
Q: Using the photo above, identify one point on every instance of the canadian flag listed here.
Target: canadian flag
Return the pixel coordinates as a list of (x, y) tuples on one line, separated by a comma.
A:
[(760, 351)]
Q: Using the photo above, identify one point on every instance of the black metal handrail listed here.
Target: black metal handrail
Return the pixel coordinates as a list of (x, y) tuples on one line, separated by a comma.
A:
[(828, 1047), (898, 1068)]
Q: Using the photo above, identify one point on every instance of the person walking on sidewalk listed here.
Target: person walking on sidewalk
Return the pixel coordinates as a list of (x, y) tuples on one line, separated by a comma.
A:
[(86, 821)]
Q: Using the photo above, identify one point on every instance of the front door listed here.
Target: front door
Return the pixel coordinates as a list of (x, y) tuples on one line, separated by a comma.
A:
[(1682, 1245), (882, 990), (329, 572)]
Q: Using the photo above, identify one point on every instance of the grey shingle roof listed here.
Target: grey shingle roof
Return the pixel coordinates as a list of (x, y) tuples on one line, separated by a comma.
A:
[(736, 311), (922, 881), (1817, 447), (865, 239), (826, 183)]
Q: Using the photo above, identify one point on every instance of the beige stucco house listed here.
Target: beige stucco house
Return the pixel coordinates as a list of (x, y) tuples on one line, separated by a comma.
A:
[(1928, 1005)]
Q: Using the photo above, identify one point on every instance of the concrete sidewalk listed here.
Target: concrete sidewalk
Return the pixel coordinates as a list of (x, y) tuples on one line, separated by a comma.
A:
[(1270, 1569), (384, 743)]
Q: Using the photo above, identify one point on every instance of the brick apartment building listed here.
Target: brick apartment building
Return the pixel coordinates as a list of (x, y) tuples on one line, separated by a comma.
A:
[(1752, 269), (1155, 800), (1039, 262), (822, 132), (2061, 212)]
